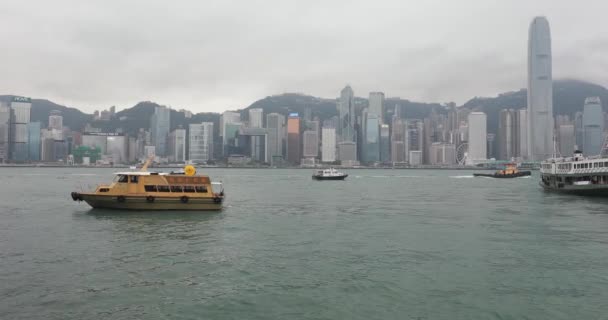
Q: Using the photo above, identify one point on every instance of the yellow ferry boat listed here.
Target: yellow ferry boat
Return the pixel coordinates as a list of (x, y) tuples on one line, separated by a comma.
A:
[(144, 190)]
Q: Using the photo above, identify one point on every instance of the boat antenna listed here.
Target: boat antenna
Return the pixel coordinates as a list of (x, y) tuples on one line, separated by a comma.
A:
[(554, 146)]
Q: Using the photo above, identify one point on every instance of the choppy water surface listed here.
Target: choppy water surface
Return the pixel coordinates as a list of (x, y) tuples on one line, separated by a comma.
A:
[(385, 244)]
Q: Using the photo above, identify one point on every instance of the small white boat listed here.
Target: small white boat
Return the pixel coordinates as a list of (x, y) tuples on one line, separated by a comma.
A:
[(329, 174)]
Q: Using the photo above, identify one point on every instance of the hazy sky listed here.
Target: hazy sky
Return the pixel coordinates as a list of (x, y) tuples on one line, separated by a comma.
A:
[(218, 55)]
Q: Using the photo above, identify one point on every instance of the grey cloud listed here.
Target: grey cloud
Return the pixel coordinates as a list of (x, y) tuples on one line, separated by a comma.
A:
[(218, 55)]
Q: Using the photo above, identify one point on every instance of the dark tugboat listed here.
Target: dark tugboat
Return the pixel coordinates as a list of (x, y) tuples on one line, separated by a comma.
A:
[(329, 174), (509, 172)]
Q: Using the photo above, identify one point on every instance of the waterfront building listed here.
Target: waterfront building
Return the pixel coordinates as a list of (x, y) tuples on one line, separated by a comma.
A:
[(385, 143), (415, 158), (56, 120), (5, 129), (328, 144), (593, 126), (477, 137), (34, 144), (347, 152), (256, 120), (117, 148), (442, 154), (567, 140), (177, 145), (95, 140), (310, 144), (522, 136), (346, 112), (160, 123), (508, 134), (414, 137), (20, 117), (376, 105), (201, 141), (228, 117), (540, 91), (293, 138), (398, 151), (371, 146), (275, 124)]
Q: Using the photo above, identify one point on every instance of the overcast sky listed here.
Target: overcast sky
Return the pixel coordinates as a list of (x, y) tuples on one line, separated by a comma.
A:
[(218, 55)]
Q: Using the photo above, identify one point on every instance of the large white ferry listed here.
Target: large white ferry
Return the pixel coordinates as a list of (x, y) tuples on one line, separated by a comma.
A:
[(577, 175)]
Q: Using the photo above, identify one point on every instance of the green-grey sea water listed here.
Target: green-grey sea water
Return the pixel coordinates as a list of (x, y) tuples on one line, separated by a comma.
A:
[(384, 244)]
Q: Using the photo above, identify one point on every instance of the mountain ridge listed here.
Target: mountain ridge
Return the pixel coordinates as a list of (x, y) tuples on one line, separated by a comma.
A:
[(568, 98)]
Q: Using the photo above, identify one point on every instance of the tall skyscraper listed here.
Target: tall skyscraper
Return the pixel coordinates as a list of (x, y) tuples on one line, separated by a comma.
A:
[(398, 152), (371, 146), (201, 142), (540, 91), (56, 120), (275, 124), (414, 137), (376, 105), (346, 111), (508, 134), (34, 135), (160, 123), (228, 117), (20, 117), (310, 139), (522, 136), (566, 138), (256, 118), (328, 144), (5, 129), (385, 143), (293, 138), (593, 126), (177, 145), (477, 138), (310, 144)]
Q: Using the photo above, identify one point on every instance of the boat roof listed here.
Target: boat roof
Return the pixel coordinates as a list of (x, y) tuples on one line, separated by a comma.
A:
[(139, 173), (147, 173)]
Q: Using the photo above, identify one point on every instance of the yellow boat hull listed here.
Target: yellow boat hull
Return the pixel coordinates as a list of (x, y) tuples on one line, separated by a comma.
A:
[(143, 202)]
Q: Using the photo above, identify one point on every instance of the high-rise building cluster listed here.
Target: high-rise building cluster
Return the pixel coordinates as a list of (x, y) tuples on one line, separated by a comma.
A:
[(372, 132)]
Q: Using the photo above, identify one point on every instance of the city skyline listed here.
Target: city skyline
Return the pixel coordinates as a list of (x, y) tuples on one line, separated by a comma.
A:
[(184, 65)]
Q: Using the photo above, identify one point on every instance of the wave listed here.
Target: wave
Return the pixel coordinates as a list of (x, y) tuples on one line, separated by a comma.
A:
[(462, 177)]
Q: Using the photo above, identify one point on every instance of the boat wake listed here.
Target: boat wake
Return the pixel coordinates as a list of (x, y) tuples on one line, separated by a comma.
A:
[(461, 177)]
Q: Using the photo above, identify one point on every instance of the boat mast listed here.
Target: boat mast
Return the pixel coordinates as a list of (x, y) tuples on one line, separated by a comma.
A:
[(145, 167), (604, 147)]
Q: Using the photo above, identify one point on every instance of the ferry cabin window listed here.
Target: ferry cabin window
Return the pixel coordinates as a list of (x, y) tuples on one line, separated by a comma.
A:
[(188, 188), (163, 189), (150, 188), (133, 179), (201, 189), (176, 188), (121, 178)]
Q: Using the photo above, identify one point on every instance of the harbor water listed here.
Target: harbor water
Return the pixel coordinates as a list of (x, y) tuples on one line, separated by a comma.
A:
[(384, 244)]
